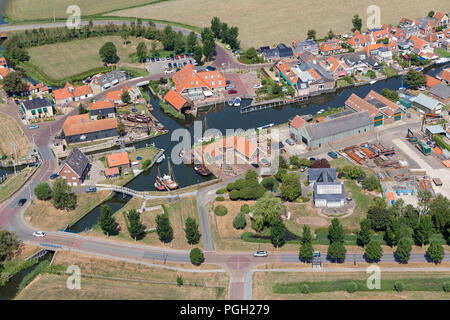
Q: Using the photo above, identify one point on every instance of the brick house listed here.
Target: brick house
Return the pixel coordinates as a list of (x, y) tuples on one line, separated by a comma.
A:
[(118, 160), (75, 168)]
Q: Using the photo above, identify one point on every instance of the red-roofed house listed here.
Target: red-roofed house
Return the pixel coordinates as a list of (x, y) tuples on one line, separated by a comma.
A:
[(102, 109), (386, 106), (286, 73), (442, 18), (198, 83), (177, 101), (34, 88), (445, 76), (242, 147), (3, 62), (329, 48), (431, 81), (116, 96), (3, 72), (71, 93), (118, 160), (418, 44), (333, 65), (358, 104), (295, 125)]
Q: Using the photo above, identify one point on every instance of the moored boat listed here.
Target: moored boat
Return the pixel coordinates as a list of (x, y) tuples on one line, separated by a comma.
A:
[(202, 170), (161, 158), (237, 102), (230, 102)]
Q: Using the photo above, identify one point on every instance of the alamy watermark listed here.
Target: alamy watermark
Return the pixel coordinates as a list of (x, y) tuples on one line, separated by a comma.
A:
[(74, 280)]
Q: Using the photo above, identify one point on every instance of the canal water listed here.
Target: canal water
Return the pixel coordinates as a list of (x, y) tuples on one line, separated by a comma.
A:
[(116, 202), (11, 288)]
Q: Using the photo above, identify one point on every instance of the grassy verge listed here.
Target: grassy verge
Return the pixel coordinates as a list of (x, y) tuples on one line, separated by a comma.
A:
[(14, 183), (389, 72), (442, 52)]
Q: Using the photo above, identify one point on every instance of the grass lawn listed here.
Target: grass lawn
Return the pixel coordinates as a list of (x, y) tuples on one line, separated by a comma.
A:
[(14, 182), (78, 56), (147, 153), (266, 22), (12, 134), (340, 83), (389, 72), (442, 52), (285, 285), (178, 212), (30, 9), (42, 214), (104, 278)]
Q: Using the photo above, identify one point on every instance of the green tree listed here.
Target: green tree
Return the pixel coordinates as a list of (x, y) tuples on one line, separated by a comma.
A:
[(280, 174), (168, 38), (435, 252), (330, 34), (306, 235), (196, 256), (371, 183), (415, 79), (365, 233), (108, 53), (141, 51), (399, 286), (198, 54), (220, 210), (378, 214), (290, 188), (282, 162), (135, 227), (431, 14), (209, 46), (191, 230), (306, 252), (13, 83), (390, 94), (258, 223), (373, 251), (396, 229), (251, 54), (82, 109), (424, 230), (121, 129), (106, 220), (191, 41), (8, 245), (311, 34), (163, 228), (239, 221), (277, 234), (404, 248), (269, 207), (62, 195), (43, 191), (215, 26), (357, 23), (337, 251), (179, 43), (440, 212), (125, 97), (336, 231)]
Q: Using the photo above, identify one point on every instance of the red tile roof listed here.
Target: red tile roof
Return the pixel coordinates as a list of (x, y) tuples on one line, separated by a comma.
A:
[(432, 81), (333, 62), (4, 72), (418, 43), (81, 124), (102, 104), (81, 91), (358, 104), (297, 122), (117, 159), (283, 67), (445, 75), (175, 99), (189, 78), (439, 15), (391, 107), (61, 94), (111, 172), (329, 46)]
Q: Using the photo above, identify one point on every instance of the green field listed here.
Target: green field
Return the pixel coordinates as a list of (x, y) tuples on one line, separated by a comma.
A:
[(20, 10), (63, 60)]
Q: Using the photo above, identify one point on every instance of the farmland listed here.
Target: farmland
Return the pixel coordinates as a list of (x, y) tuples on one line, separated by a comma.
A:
[(78, 56), (266, 22), (12, 135)]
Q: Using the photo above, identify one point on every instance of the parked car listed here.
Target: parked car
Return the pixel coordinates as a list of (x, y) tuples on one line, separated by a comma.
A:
[(21, 202), (195, 63), (230, 86), (316, 254), (167, 57), (177, 57), (290, 141), (260, 253), (312, 159), (157, 59), (171, 56), (348, 199), (184, 63), (302, 168), (257, 86), (170, 65), (181, 55), (190, 61), (169, 71), (162, 58), (211, 68), (232, 91), (91, 189), (54, 176), (333, 154), (227, 82), (153, 59), (39, 234), (33, 126)]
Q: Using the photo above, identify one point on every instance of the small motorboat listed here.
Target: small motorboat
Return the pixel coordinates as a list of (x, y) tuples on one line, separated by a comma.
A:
[(161, 158), (231, 102), (373, 82), (181, 153), (237, 102)]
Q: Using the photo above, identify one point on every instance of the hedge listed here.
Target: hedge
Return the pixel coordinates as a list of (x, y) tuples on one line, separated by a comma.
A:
[(220, 210)]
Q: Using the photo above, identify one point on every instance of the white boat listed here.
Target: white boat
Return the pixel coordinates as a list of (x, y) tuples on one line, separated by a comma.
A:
[(230, 102), (373, 82), (442, 61), (237, 102), (161, 158), (266, 126)]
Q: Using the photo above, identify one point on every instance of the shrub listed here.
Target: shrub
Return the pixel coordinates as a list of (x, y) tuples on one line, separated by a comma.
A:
[(270, 183), (304, 289), (239, 221), (446, 286), (146, 163), (352, 287), (220, 198), (43, 191), (245, 208), (371, 183), (179, 281), (309, 193), (221, 191), (235, 194), (196, 256), (220, 210), (230, 186), (399, 286)]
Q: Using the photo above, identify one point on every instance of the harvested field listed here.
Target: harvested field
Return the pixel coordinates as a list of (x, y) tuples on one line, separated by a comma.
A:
[(78, 56), (266, 22), (13, 134)]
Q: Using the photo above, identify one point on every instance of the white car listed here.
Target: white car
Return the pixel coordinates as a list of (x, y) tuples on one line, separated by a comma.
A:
[(260, 253), (257, 86), (39, 234)]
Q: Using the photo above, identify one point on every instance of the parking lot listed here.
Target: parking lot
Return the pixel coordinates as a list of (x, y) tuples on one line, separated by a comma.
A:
[(164, 64)]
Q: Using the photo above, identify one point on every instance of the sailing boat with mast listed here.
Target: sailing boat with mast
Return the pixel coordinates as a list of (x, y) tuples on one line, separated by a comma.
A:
[(158, 182), (168, 179), (201, 169)]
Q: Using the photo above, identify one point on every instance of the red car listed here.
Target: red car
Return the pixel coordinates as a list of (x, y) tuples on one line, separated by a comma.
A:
[(181, 55), (232, 91), (177, 57)]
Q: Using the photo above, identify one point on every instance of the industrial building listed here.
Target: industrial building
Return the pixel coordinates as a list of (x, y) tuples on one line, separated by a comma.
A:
[(328, 192), (318, 134)]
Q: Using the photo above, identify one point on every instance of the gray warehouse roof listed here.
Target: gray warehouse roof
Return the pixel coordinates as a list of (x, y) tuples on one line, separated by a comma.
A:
[(338, 125), (441, 91)]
